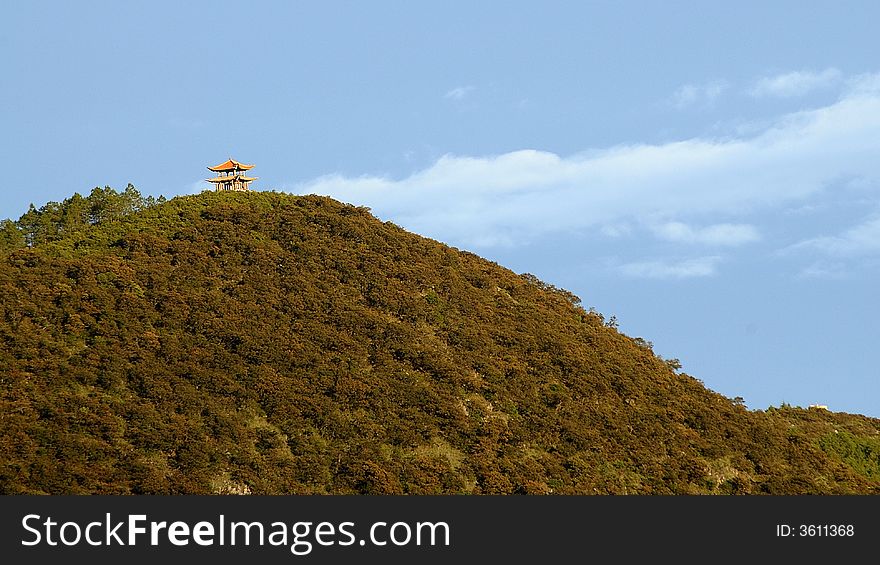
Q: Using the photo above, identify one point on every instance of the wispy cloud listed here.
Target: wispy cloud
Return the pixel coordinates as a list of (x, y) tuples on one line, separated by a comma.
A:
[(517, 196), (797, 83), (717, 234), (459, 93), (824, 270), (863, 239), (702, 95), (684, 269), (616, 230)]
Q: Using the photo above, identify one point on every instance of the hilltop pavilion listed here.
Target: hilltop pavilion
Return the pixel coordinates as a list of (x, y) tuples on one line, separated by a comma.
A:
[(230, 175)]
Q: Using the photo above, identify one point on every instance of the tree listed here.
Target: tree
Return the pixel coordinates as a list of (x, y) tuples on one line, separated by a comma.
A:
[(11, 238), (55, 220)]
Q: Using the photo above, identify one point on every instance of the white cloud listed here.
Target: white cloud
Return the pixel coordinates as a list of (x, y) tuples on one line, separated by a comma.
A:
[(689, 268), (459, 92), (616, 230), (718, 234), (866, 83), (519, 195), (698, 94), (798, 83), (863, 239), (822, 270), (803, 209)]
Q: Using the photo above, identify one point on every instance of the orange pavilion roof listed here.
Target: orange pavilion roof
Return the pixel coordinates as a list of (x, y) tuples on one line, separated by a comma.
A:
[(230, 165), (232, 178)]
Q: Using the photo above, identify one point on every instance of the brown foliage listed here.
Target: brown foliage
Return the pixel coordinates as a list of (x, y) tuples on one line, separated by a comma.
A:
[(267, 343)]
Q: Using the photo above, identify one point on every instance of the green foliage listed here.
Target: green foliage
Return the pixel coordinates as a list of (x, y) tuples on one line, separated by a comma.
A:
[(268, 343), (862, 454), (11, 238), (71, 218)]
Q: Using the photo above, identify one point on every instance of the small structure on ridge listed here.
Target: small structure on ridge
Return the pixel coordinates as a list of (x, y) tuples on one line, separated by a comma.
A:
[(230, 175)]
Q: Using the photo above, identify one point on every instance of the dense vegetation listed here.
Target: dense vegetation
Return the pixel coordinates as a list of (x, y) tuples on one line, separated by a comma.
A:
[(268, 343)]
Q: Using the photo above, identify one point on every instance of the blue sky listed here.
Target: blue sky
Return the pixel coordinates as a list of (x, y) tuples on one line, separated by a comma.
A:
[(707, 172)]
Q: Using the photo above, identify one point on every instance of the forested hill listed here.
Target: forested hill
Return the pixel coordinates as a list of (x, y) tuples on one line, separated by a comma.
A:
[(268, 343)]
